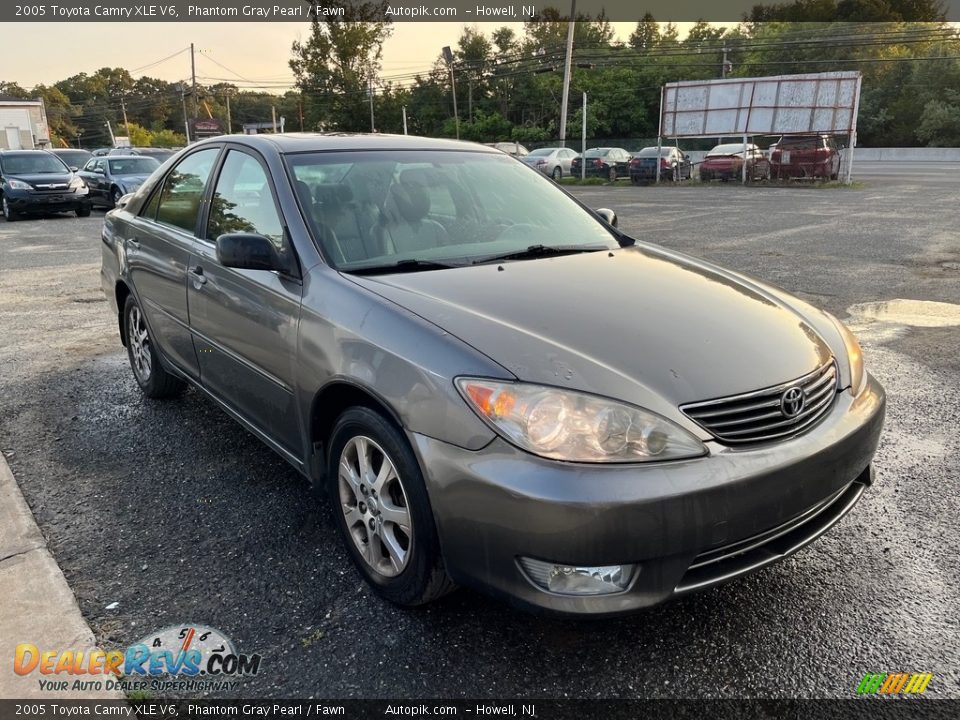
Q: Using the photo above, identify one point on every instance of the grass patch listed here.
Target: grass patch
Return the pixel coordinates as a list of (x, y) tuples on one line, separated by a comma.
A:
[(585, 181)]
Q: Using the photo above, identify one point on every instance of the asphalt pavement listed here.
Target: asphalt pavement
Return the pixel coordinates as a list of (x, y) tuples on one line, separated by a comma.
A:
[(168, 512)]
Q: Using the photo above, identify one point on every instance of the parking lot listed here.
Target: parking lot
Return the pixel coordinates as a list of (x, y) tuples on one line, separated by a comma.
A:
[(175, 514)]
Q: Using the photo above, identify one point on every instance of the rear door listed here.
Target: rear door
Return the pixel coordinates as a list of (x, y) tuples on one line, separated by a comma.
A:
[(245, 322), (158, 247)]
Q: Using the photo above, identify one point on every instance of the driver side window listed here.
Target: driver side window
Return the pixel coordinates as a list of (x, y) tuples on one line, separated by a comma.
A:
[(243, 202)]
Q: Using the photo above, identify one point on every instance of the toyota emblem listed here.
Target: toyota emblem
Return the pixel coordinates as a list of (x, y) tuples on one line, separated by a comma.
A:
[(791, 402)]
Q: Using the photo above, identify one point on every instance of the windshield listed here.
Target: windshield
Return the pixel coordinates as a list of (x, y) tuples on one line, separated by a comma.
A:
[(541, 151), (36, 162), (133, 166), (374, 209), (732, 149)]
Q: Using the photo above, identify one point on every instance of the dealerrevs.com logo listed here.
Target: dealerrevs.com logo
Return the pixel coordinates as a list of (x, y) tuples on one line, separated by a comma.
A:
[(894, 683), (180, 657)]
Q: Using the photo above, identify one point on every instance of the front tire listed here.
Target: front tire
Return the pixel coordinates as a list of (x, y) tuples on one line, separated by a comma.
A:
[(154, 381), (83, 211), (380, 505), (8, 214), (115, 196)]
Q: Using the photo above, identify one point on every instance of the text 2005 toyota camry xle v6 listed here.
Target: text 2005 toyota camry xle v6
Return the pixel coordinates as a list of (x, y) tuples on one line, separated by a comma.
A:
[(496, 386)]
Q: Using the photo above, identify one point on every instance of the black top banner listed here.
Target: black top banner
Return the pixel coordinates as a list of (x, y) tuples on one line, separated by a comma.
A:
[(468, 11)]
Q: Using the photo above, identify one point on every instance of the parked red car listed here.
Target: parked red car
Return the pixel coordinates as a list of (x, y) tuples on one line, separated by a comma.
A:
[(725, 162), (805, 156)]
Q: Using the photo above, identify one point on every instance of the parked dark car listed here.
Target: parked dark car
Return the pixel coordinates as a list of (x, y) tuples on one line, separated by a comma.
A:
[(805, 156), (673, 165), (73, 158), (161, 155), (605, 162), (424, 327), (725, 162), (110, 178), (34, 182)]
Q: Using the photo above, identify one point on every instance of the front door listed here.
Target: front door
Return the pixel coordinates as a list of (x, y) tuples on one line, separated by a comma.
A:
[(245, 322)]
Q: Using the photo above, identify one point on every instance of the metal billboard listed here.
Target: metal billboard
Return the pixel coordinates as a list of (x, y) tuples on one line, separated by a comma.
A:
[(775, 105)]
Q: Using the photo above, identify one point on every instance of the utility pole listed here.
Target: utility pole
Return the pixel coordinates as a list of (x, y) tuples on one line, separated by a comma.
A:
[(273, 111), (566, 74), (404, 120), (448, 56), (79, 133), (373, 127), (583, 141), (126, 123), (727, 65), (113, 140), (300, 109), (193, 78), (229, 119)]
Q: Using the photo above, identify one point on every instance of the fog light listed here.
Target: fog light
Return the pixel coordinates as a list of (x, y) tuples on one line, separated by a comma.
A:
[(578, 580)]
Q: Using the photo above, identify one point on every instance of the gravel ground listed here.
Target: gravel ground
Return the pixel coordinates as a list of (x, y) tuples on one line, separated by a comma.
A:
[(174, 512)]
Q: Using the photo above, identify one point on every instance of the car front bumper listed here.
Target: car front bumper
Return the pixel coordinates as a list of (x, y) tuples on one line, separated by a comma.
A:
[(25, 201), (686, 524)]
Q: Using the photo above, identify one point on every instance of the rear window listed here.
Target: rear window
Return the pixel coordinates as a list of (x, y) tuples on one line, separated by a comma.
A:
[(801, 143)]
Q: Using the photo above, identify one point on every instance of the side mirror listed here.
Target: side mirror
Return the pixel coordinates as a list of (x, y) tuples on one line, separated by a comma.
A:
[(607, 215), (248, 251), (100, 171), (74, 168)]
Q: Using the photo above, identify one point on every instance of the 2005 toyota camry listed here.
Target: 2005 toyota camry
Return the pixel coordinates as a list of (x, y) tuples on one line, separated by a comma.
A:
[(496, 386)]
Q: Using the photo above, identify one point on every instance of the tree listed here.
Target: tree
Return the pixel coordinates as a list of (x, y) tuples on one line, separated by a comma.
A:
[(338, 64), (646, 36)]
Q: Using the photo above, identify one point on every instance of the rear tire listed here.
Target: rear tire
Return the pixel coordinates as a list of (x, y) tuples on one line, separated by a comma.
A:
[(382, 510), (153, 379), (613, 174), (557, 173)]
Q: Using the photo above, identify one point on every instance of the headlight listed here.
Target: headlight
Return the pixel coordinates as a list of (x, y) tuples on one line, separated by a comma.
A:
[(573, 426), (77, 183), (854, 355), (19, 185)]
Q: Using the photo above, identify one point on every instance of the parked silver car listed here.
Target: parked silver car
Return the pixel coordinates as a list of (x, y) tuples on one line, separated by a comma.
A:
[(496, 386), (554, 161)]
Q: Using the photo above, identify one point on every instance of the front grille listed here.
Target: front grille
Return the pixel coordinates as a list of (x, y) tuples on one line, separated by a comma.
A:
[(764, 414)]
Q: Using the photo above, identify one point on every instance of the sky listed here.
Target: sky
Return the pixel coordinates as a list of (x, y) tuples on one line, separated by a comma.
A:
[(259, 52)]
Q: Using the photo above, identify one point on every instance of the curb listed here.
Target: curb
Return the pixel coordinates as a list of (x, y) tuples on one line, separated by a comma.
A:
[(38, 605)]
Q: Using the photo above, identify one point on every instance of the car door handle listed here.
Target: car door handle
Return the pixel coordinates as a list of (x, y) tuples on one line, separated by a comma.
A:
[(134, 243), (198, 277)]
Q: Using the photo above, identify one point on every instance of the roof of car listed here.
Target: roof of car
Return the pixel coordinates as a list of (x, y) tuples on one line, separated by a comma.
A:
[(307, 142)]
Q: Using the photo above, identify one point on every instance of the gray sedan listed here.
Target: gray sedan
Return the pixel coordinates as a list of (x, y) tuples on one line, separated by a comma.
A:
[(554, 161), (110, 178), (424, 329)]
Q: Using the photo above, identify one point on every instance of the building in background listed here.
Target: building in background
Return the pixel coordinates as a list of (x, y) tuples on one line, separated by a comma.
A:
[(23, 124)]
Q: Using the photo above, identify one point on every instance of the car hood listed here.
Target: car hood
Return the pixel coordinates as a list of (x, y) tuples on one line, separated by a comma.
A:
[(139, 178), (44, 178), (638, 324)]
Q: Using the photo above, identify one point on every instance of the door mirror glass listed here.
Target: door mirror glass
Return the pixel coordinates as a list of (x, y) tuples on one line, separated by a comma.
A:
[(248, 251), (608, 216)]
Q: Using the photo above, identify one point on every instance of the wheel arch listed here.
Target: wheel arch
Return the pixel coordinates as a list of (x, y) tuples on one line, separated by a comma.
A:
[(329, 403), (122, 292)]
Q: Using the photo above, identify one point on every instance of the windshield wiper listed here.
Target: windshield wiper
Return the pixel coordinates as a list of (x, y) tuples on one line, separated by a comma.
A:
[(539, 251), (401, 266)]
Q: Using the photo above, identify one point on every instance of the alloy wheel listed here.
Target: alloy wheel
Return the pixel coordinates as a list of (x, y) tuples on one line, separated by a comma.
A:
[(375, 506), (139, 340)]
